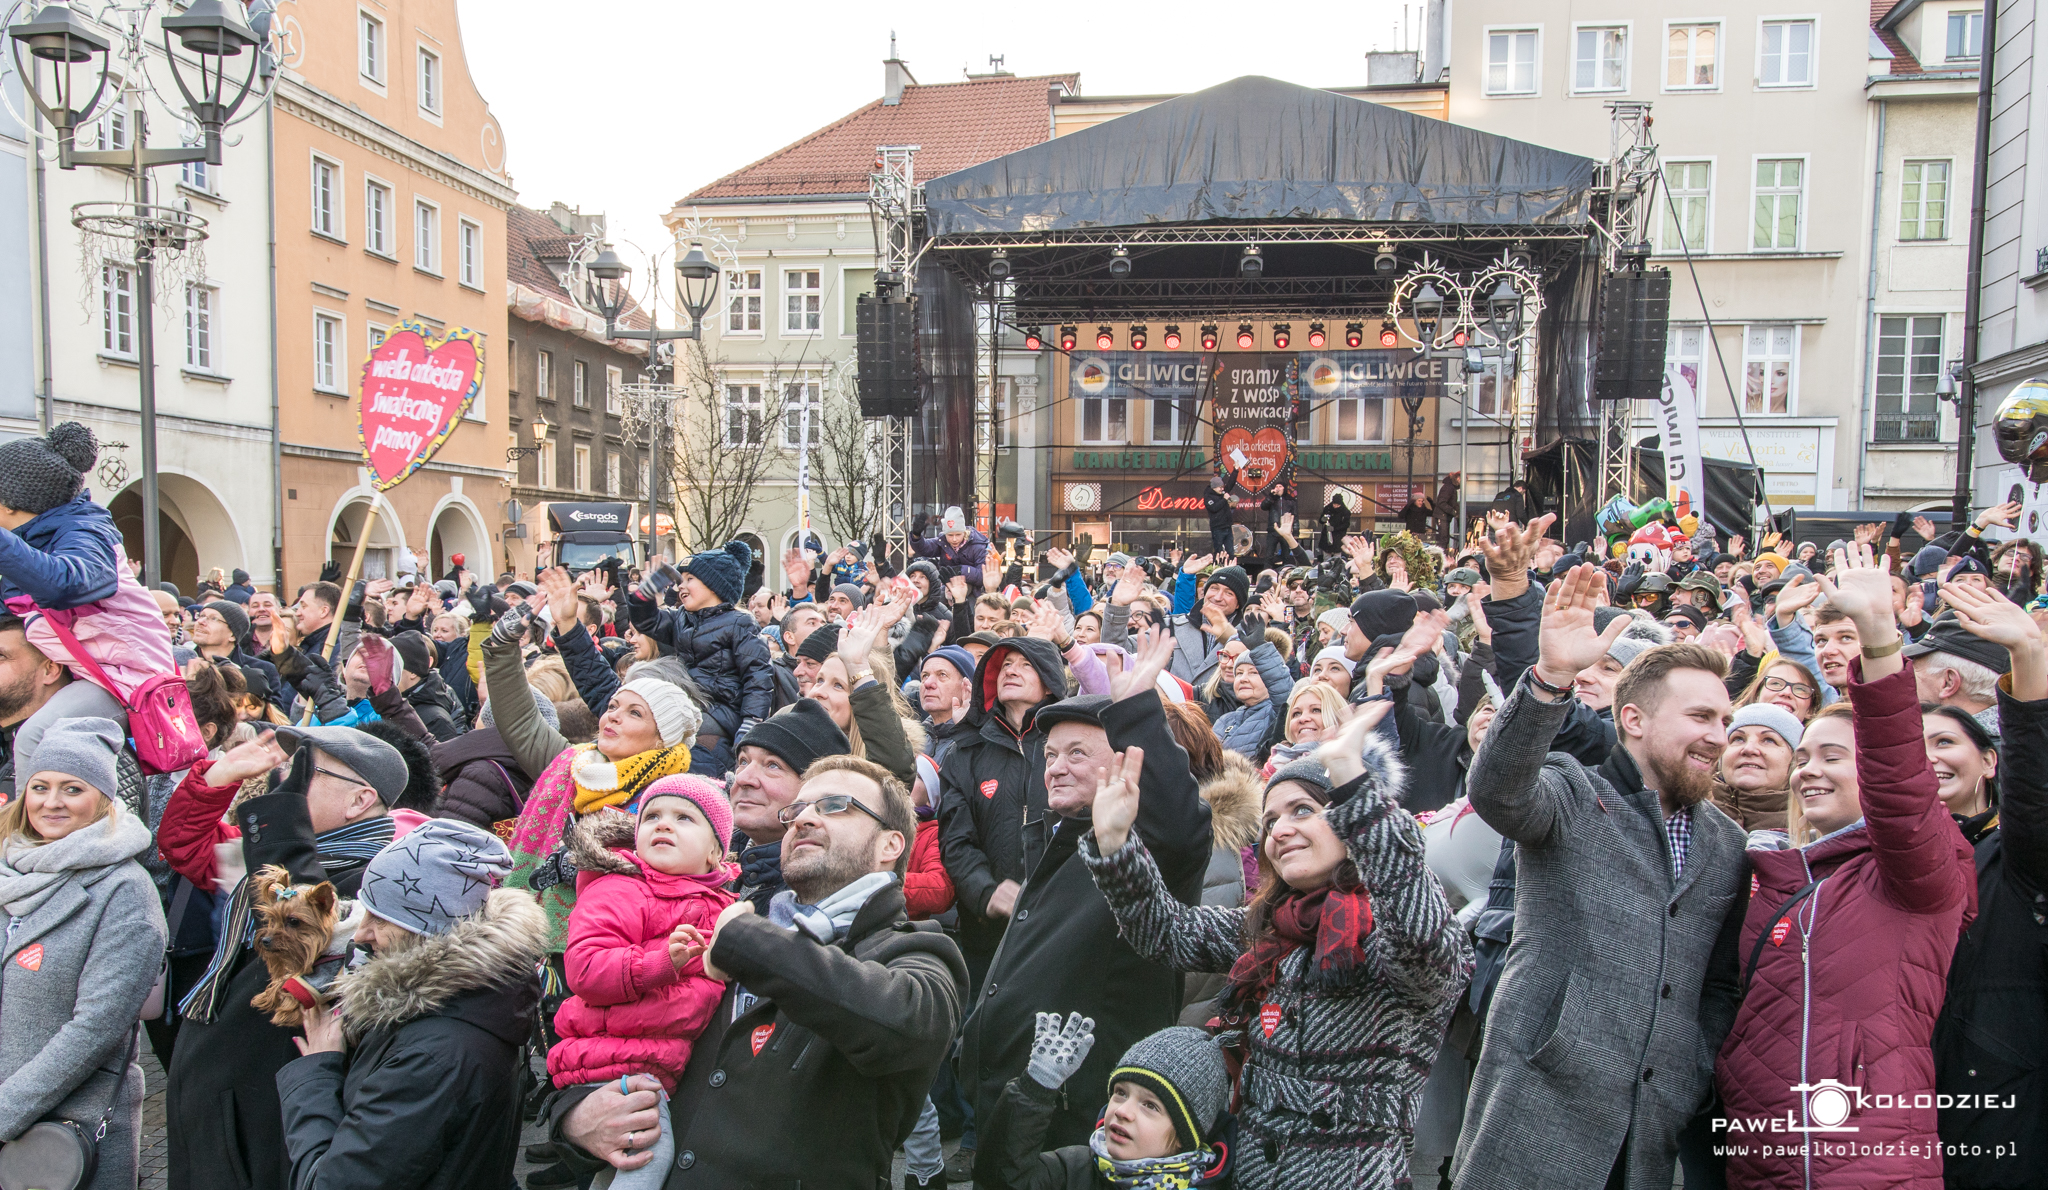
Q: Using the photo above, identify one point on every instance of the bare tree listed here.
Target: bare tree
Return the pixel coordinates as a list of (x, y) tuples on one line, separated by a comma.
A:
[(846, 467), (721, 452)]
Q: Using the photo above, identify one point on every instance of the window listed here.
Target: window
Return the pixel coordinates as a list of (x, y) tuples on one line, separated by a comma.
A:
[(117, 310), (1923, 201), (1685, 347), (1769, 362), (580, 460), (1511, 62), (1908, 364), (1600, 59), (469, 247), (196, 174), (113, 126), (1787, 54), (801, 414), (1172, 418), (1688, 187), (1779, 189), (801, 298), (1358, 419), (199, 303), (614, 380), (377, 218), (544, 376), (1691, 57), (326, 197), (430, 81), (1104, 420), (426, 221), (546, 475), (579, 384), (611, 473), (327, 353), (1965, 36), (1490, 395), (743, 302), (372, 46), (743, 415), (377, 335)]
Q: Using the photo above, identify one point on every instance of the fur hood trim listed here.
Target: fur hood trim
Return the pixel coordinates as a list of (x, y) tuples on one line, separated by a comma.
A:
[(1383, 761), (1235, 796), (596, 840), (499, 945)]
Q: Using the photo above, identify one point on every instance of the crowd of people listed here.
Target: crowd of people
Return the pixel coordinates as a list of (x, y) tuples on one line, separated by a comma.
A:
[(1317, 861)]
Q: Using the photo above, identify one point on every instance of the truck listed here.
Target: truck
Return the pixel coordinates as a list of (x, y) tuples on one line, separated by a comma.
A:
[(585, 534)]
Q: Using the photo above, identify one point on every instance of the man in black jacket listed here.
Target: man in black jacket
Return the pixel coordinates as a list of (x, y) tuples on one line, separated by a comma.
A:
[(421, 683), (815, 1064), (217, 632), (1062, 952)]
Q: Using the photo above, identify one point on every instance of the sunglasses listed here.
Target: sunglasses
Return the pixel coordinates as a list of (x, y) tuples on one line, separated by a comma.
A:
[(829, 805)]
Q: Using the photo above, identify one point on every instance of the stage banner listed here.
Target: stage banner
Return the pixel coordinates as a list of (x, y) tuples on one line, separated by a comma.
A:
[(415, 387), (1678, 420), (1253, 400)]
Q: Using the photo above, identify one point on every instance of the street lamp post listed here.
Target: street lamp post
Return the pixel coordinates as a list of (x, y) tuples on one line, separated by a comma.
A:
[(60, 37)]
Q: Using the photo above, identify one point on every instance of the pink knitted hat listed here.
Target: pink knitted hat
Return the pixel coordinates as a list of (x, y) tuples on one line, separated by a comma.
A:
[(708, 794)]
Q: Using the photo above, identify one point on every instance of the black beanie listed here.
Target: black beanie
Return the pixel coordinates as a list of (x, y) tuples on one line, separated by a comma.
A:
[(237, 619), (415, 650), (800, 735), (38, 474), (1233, 577), (822, 643), (1379, 613)]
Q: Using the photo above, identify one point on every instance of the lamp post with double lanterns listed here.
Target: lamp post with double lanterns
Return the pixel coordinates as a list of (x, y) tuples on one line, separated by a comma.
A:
[(608, 291), (209, 32)]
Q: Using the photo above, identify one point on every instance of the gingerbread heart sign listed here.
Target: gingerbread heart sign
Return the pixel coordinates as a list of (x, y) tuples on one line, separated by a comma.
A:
[(1258, 457), (416, 387)]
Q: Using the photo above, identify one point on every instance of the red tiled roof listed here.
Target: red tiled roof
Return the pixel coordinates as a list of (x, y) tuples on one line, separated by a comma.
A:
[(956, 125), (1903, 61), (535, 247)]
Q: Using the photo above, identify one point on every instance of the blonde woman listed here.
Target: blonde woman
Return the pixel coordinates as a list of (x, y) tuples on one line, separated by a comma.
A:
[(857, 687), (1314, 710)]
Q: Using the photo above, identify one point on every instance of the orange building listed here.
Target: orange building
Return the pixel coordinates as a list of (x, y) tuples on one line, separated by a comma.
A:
[(391, 201)]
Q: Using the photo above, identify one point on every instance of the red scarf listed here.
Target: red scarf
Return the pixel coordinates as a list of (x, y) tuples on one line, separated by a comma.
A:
[(1335, 920)]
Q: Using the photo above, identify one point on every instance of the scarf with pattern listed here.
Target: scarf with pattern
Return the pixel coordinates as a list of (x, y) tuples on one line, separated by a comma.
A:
[(551, 809), (1333, 920), (601, 782), (1178, 1171)]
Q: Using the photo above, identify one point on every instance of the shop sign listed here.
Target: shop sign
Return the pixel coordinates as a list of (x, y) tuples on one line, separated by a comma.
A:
[(1139, 460), (1358, 460), (1156, 499)]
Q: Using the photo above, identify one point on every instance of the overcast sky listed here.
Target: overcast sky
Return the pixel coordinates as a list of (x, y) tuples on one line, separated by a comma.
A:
[(624, 106)]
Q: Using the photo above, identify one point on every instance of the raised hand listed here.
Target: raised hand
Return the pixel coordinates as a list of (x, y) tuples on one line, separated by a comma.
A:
[(1059, 558), (1798, 593), (1862, 590), (1045, 622), (563, 605), (1216, 624), (380, 662), (251, 759), (1116, 800), (1756, 642), (1129, 585), (1360, 551), (1151, 650), (1423, 636), (1999, 620), (863, 628), (1273, 605), (1925, 528), (1287, 527), (956, 589), (1868, 534), (1342, 754), (1475, 600), (1194, 563), (1058, 1050), (1568, 642), (592, 586), (991, 571), (1916, 606), (1509, 551), (2002, 515)]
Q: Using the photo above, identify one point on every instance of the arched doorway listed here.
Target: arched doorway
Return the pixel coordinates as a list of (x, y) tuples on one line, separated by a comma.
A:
[(386, 536), (758, 573), (196, 531), (457, 528)]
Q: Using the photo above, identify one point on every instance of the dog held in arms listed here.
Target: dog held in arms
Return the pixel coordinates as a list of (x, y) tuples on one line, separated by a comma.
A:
[(302, 932)]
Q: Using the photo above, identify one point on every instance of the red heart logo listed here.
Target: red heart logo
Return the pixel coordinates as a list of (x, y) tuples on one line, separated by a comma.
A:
[(1269, 1018), (1263, 454), (761, 1035), (988, 788), (415, 388), (1779, 931), (31, 957)]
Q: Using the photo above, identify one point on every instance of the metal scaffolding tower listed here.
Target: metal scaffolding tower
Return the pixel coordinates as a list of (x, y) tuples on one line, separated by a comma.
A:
[(893, 203), (1625, 197)]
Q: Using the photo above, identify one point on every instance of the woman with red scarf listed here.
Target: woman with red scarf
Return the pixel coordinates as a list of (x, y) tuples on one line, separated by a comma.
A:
[(1343, 970)]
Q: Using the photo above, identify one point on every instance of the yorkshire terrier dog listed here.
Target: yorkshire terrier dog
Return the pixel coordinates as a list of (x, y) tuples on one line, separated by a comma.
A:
[(294, 932)]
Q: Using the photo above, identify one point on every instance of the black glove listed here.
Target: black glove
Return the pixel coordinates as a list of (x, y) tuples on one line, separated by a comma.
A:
[(1251, 630), (330, 571), (486, 604), (879, 556), (353, 613), (297, 776), (918, 523)]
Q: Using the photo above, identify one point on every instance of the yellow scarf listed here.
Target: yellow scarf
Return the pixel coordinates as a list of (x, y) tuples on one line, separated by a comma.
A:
[(600, 782)]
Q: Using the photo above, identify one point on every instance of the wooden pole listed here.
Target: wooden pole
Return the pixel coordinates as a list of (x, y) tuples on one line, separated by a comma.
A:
[(348, 585)]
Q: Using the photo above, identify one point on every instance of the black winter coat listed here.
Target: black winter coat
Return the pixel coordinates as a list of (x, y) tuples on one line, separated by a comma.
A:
[(436, 705), (595, 679), (1991, 1040), (1015, 1134), (823, 1076), (427, 1097), (966, 561), (1063, 952), (726, 656), (481, 781)]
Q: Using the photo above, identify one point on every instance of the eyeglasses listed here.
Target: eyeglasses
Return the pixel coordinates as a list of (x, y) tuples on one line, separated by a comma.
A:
[(830, 804), (344, 778), (1780, 685)]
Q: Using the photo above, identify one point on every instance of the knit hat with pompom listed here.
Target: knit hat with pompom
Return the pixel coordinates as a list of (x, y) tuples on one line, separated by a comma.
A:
[(38, 474), (724, 571)]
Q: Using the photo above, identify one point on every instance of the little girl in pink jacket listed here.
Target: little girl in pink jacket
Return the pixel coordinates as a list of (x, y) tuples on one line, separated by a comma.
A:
[(637, 1010)]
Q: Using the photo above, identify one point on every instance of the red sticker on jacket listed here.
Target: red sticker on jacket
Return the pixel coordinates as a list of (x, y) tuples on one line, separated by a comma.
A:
[(1269, 1018), (988, 788), (31, 957), (1779, 931), (761, 1035), (1752, 884)]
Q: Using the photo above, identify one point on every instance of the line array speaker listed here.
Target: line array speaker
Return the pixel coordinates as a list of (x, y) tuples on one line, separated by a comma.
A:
[(885, 350), (1635, 318)]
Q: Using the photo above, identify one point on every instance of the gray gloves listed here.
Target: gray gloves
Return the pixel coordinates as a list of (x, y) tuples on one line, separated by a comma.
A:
[(659, 578), (511, 627), (1059, 1049)]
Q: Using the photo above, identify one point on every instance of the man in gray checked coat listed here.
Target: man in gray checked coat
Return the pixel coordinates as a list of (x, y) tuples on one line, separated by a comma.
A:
[(1621, 980)]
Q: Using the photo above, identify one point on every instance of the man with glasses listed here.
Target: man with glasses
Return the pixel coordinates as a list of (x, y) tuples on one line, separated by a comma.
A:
[(218, 629), (815, 1064)]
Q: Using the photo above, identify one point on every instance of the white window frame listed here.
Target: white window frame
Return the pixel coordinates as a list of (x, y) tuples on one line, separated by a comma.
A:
[(377, 231), (1486, 36), (1627, 30), (374, 334), (117, 310), (469, 253), (1906, 396), (753, 311), (745, 398), (1805, 175), (793, 293), (579, 384), (330, 339), (1692, 54), (614, 380), (543, 375), (426, 234), (611, 473), (803, 393), (373, 65), (1969, 18), (115, 126), (1337, 406), (428, 79), (1812, 22), (1103, 407), (1766, 360), (202, 320), (1675, 352), (545, 474), (195, 175), (1180, 409), (1669, 198), (334, 216), (1948, 169), (579, 466)]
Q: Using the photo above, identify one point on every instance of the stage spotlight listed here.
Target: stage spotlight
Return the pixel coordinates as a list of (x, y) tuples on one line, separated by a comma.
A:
[(1032, 342), (1282, 335), (1384, 261), (1138, 337), (1105, 338), (1390, 335), (1519, 256), (1067, 339), (1244, 336), (1252, 263), (1316, 337), (1172, 338), (1209, 337), (1120, 262), (1354, 334), (999, 265)]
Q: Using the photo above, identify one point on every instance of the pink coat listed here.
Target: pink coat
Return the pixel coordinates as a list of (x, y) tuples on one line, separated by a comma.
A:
[(633, 1012), (1859, 1008)]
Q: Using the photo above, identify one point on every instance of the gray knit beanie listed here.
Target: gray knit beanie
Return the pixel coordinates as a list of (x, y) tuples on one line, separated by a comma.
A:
[(1310, 773), (84, 748), (441, 872), (1183, 1067), (540, 703), (38, 474)]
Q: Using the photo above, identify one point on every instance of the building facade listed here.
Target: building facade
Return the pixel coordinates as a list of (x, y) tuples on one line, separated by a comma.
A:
[(20, 383), (392, 200)]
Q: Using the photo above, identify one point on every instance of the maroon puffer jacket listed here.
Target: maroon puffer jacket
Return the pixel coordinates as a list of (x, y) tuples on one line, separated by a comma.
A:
[(1859, 1006)]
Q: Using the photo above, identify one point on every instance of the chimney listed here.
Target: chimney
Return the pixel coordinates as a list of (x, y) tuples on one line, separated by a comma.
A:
[(895, 74)]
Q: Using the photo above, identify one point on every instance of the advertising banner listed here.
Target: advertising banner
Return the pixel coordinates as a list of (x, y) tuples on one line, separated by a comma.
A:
[(1678, 420), (416, 386)]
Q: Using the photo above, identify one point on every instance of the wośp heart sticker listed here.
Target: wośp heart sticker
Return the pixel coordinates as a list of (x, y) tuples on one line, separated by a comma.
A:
[(416, 386)]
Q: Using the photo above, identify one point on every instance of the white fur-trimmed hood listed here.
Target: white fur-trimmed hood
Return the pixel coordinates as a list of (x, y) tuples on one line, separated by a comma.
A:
[(500, 944)]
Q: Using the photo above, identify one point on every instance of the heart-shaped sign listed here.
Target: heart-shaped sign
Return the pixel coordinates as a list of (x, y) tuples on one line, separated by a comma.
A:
[(1257, 456), (416, 387), (1269, 1018)]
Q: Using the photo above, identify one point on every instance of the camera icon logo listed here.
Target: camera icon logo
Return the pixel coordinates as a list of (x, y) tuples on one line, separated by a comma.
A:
[(1829, 1103)]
